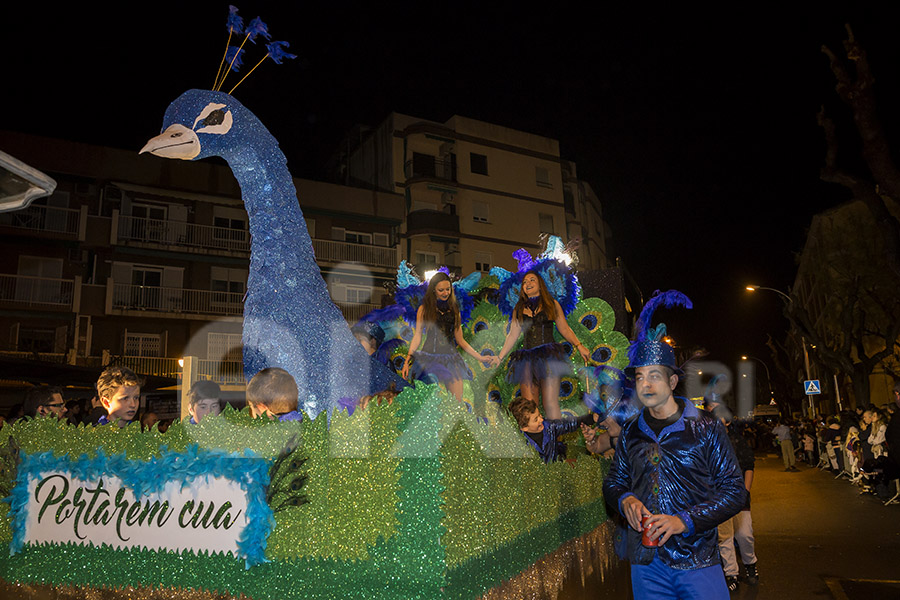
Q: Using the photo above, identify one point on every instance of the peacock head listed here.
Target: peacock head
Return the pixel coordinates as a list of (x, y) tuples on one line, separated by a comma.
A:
[(199, 124)]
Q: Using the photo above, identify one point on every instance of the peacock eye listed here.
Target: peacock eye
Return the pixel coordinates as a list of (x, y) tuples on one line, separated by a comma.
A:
[(216, 117)]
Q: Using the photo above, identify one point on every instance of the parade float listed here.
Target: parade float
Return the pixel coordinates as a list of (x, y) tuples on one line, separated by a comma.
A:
[(419, 496)]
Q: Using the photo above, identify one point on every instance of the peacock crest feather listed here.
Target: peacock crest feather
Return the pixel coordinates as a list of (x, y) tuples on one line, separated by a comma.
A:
[(9, 464), (287, 478)]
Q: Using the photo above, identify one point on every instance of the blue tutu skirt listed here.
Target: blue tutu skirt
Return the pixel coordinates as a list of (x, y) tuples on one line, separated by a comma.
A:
[(546, 361), (439, 368)]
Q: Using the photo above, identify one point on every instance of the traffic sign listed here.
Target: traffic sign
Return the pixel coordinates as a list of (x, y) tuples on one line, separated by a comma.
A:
[(811, 386)]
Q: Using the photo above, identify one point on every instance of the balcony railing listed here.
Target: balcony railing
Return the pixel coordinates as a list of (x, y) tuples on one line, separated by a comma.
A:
[(430, 167), (354, 312), (221, 371), (51, 357), (177, 233), (374, 256), (22, 290), (176, 300), (150, 365), (43, 218), (432, 221)]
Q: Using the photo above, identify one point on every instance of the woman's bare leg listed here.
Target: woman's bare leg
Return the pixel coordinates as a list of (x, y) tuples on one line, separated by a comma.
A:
[(550, 397), (455, 387)]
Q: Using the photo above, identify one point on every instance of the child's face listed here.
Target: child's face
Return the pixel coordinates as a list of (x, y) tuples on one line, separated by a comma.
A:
[(204, 407), (122, 405), (442, 290), (535, 423)]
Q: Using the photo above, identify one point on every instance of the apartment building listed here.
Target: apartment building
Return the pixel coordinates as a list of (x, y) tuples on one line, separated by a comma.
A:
[(145, 260), (474, 192)]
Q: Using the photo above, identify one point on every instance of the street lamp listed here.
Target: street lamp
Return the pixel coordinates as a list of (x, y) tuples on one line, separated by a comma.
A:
[(768, 375), (753, 288), (789, 302)]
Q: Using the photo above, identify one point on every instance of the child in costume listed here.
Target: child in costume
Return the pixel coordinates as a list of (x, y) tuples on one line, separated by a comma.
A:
[(439, 318), (543, 435), (538, 367), (273, 393), (204, 400), (119, 390)]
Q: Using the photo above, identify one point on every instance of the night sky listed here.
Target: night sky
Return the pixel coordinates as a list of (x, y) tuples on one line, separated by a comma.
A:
[(697, 131)]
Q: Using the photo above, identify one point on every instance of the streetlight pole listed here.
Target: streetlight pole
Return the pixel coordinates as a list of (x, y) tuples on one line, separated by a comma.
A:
[(768, 375), (789, 302)]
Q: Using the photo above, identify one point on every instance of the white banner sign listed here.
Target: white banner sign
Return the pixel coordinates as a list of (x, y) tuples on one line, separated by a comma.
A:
[(192, 515)]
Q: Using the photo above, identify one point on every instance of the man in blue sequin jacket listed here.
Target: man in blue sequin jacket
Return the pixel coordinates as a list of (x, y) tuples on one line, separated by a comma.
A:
[(675, 465)]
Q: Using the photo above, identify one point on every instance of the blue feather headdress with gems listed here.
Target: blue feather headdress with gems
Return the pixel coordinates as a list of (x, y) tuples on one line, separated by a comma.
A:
[(553, 265), (411, 291), (649, 347)]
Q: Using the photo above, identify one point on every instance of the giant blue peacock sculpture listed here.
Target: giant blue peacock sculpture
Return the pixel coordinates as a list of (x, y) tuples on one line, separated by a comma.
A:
[(289, 318)]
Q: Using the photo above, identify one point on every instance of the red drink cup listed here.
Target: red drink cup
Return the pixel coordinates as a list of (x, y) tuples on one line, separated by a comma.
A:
[(645, 534)]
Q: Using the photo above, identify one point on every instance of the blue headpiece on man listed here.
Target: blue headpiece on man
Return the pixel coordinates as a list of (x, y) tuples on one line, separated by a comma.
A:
[(649, 347)]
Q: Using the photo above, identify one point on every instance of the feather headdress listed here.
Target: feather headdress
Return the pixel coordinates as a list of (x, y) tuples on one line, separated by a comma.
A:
[(553, 265), (411, 291), (648, 347)]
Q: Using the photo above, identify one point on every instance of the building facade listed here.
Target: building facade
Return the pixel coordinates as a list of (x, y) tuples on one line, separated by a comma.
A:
[(474, 192), (143, 261)]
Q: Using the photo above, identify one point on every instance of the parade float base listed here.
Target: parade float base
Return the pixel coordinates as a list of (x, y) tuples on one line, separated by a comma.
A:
[(414, 499)]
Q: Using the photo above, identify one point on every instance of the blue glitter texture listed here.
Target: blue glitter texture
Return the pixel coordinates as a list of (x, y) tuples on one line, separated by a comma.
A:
[(290, 320)]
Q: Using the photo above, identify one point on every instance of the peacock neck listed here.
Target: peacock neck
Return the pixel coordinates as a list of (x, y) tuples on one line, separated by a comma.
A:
[(268, 191)]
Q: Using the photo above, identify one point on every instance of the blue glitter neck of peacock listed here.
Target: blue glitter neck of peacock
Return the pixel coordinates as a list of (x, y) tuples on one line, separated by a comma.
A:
[(649, 347), (554, 265), (411, 291)]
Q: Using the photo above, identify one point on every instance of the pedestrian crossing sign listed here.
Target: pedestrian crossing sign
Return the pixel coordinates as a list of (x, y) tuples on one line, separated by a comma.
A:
[(812, 387)]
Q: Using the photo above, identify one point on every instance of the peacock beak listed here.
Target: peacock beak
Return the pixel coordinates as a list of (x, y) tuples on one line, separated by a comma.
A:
[(177, 141)]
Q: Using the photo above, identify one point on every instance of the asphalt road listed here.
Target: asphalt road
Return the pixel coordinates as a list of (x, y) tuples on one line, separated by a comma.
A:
[(816, 538)]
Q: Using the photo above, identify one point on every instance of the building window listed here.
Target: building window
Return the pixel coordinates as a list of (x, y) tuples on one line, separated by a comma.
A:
[(358, 294), (382, 239), (426, 261), (358, 237), (142, 344), (546, 223), (36, 340), (483, 261), (224, 347), (231, 281), (542, 177), (481, 212), (423, 165), (422, 205), (569, 201), (478, 163)]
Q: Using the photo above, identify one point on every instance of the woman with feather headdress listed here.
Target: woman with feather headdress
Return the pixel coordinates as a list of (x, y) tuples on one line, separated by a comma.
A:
[(438, 317), (538, 367)]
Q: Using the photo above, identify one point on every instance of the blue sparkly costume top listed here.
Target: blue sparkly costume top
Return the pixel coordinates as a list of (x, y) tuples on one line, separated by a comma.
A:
[(690, 471)]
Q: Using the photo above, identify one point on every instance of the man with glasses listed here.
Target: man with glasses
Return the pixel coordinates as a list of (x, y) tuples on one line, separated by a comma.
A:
[(44, 400)]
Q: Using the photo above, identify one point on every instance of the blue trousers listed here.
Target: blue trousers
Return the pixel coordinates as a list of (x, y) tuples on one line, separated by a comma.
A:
[(657, 581)]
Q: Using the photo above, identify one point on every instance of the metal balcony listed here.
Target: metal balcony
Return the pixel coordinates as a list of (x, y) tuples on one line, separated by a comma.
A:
[(373, 256), (48, 219), (177, 233), (25, 291), (176, 300), (430, 167), (432, 221)]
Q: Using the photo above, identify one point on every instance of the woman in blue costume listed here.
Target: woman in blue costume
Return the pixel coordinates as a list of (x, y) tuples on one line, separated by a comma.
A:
[(538, 367), (439, 359)]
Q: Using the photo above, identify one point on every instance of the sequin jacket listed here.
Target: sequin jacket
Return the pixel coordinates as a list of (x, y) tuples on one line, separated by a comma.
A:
[(689, 471), (551, 448)]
